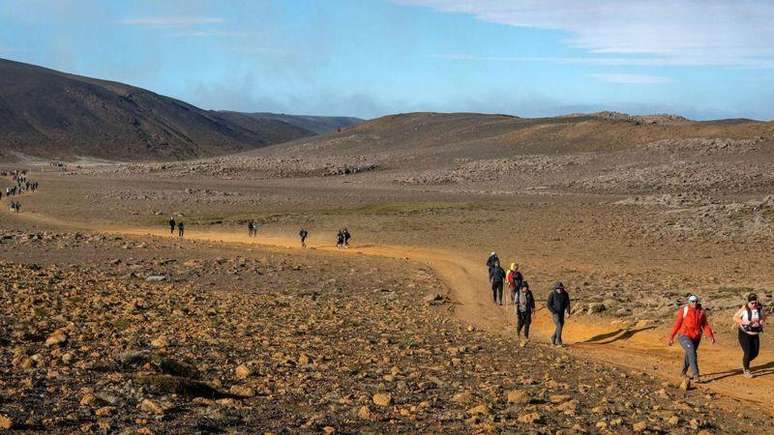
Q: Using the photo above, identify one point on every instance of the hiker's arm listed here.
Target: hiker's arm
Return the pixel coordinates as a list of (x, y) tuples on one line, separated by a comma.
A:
[(676, 327), (738, 317), (708, 329)]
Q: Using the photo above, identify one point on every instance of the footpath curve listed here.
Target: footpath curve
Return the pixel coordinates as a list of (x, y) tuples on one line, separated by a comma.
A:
[(641, 349)]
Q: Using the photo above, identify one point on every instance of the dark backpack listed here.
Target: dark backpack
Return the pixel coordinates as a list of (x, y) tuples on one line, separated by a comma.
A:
[(758, 327)]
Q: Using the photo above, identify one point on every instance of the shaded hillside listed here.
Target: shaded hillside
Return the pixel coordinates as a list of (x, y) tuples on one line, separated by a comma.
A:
[(317, 124), (51, 114)]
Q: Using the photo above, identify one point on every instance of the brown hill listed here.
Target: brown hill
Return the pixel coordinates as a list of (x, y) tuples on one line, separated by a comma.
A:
[(57, 115), (317, 124)]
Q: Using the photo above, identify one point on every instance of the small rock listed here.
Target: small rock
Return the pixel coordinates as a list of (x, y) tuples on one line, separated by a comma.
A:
[(481, 409), (151, 407), (382, 399), (243, 372), (57, 338), (518, 397), (531, 418), (463, 397), (105, 411), (640, 426), (5, 422), (365, 413), (242, 391), (159, 342)]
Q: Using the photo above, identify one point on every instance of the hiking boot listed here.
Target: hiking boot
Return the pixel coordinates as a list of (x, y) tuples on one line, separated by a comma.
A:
[(748, 374)]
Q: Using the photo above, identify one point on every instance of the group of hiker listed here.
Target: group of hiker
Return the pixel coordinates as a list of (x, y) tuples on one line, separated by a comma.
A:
[(342, 238), (692, 323), (180, 226), (20, 185), (689, 327)]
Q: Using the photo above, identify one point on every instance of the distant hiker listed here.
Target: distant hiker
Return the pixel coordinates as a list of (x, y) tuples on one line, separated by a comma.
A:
[(490, 262), (496, 277), (690, 324), (12, 207), (180, 229), (340, 239), (172, 225), (18, 207), (515, 280), (303, 234), (750, 319), (558, 304), (525, 306), (347, 237), (251, 229)]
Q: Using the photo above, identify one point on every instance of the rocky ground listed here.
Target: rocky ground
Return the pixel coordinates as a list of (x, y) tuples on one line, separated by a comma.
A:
[(170, 336)]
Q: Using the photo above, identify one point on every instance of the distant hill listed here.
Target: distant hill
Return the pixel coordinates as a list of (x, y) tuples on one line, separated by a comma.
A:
[(50, 114), (317, 124)]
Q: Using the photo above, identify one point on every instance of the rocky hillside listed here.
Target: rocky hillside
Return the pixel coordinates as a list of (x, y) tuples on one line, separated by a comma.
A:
[(51, 114)]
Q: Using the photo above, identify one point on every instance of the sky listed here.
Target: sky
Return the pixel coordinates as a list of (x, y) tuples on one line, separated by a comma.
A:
[(705, 59)]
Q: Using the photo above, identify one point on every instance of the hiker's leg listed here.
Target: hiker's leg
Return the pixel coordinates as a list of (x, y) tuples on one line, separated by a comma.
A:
[(519, 324), (744, 341), (689, 346), (755, 342), (527, 321)]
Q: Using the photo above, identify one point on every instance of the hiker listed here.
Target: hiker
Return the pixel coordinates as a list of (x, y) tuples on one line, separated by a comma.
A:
[(180, 229), (490, 262), (750, 319), (347, 237), (525, 306), (18, 207), (302, 234), (496, 277), (12, 207), (558, 304), (339, 239), (515, 280), (251, 229), (172, 225), (691, 323)]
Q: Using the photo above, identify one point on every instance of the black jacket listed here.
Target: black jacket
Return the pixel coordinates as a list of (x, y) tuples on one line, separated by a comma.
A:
[(528, 296), (496, 274), (558, 302), (490, 262)]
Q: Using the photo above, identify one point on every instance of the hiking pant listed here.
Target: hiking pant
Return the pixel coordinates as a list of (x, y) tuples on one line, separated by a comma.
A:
[(171, 229), (559, 323), (497, 291), (751, 344), (180, 233), (523, 320), (691, 360)]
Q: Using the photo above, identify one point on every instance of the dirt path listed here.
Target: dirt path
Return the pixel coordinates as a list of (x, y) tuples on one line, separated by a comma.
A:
[(640, 348)]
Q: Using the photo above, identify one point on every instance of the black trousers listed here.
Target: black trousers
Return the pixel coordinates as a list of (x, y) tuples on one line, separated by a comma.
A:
[(751, 344), (497, 291), (523, 320)]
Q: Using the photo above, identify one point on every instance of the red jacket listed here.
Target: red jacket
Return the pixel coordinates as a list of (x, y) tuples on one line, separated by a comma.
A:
[(690, 322)]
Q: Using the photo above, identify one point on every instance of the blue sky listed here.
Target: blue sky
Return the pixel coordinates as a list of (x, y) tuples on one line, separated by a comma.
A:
[(704, 59)]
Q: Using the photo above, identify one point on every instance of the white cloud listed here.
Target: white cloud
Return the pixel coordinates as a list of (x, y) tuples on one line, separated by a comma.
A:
[(638, 79), (699, 32), (207, 34), (171, 21), (615, 61)]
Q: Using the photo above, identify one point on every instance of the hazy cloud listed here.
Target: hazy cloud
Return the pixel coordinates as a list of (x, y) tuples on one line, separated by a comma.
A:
[(614, 61), (171, 21), (637, 79), (697, 32)]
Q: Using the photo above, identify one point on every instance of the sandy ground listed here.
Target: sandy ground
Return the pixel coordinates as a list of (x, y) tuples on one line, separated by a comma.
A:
[(602, 252)]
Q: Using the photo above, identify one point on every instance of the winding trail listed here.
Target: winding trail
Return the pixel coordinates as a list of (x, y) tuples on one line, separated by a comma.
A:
[(640, 348)]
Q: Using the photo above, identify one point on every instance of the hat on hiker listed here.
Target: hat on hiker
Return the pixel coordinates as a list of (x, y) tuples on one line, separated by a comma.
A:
[(493, 253), (752, 297), (693, 298), (559, 286)]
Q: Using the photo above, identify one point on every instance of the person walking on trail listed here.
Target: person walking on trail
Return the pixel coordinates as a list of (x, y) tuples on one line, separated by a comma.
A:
[(750, 320), (558, 304), (303, 234), (340, 239), (180, 229), (515, 280), (251, 229), (496, 277), (347, 237), (18, 207), (691, 323), (172, 225), (525, 306), (490, 262)]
